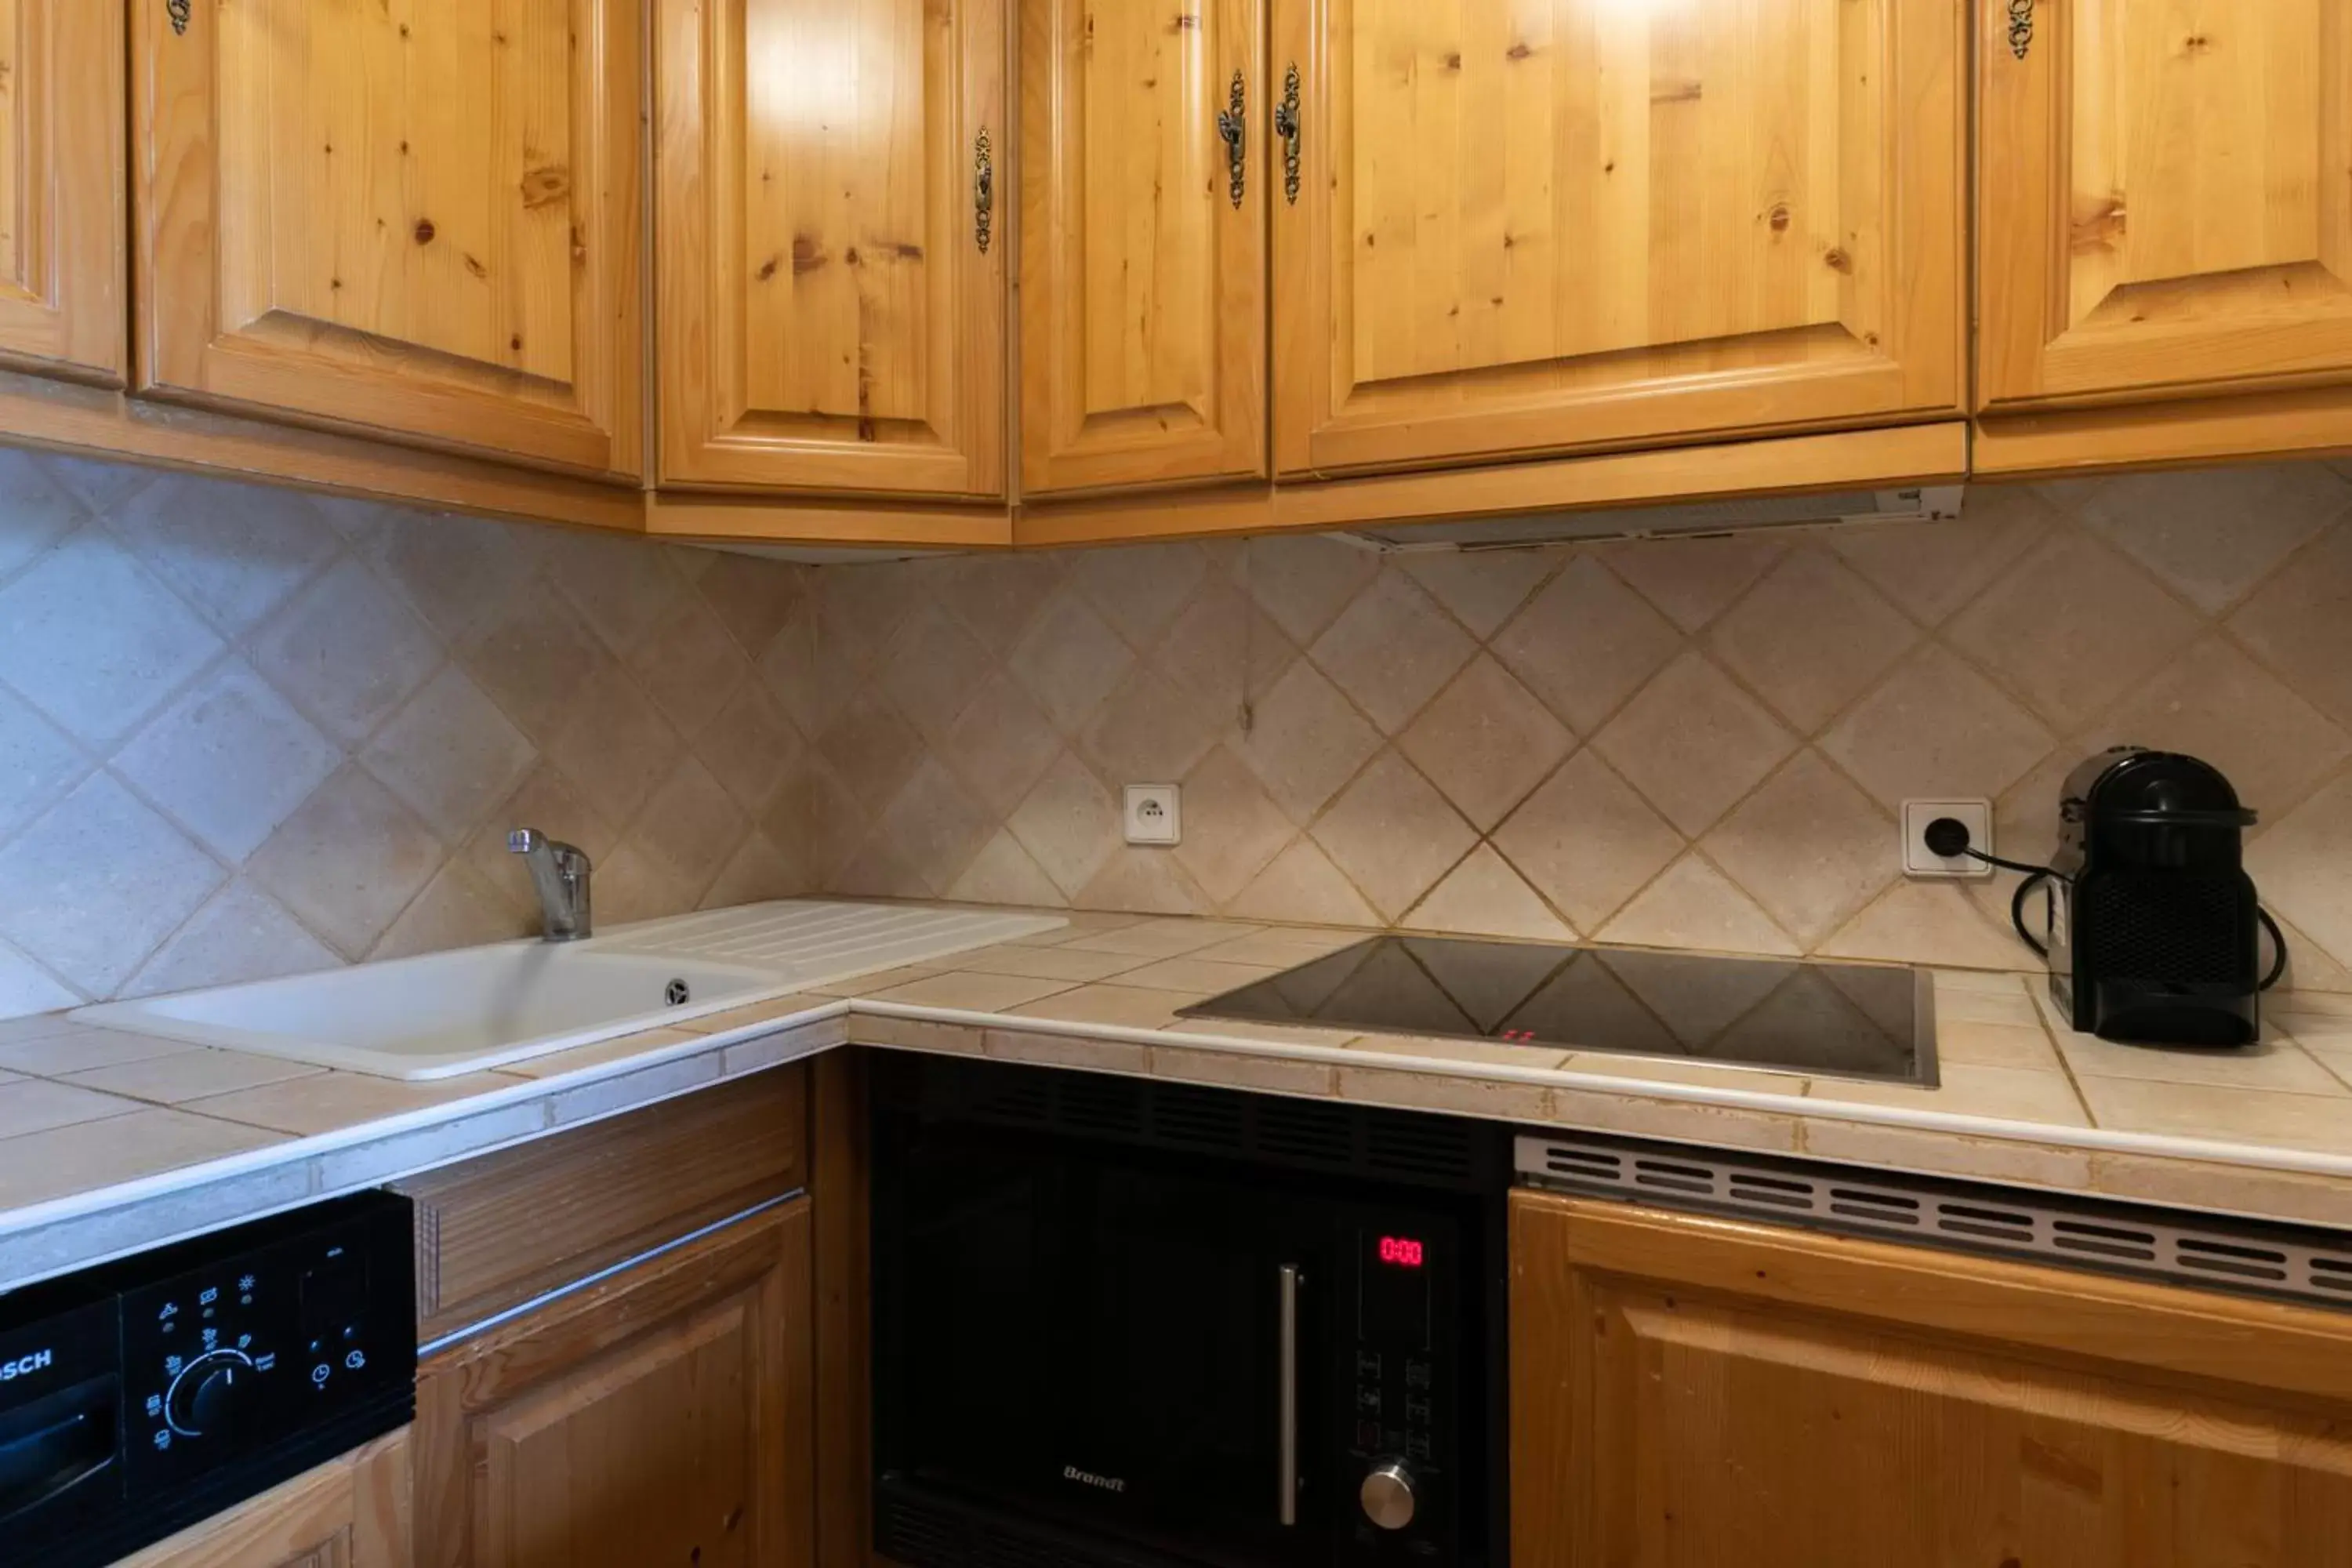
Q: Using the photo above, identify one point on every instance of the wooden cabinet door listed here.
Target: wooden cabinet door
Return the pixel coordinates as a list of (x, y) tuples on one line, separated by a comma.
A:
[(1691, 1391), (833, 189), (1567, 224), (61, 186), (663, 1415), (1143, 241), (352, 1512), (2166, 198), (415, 217)]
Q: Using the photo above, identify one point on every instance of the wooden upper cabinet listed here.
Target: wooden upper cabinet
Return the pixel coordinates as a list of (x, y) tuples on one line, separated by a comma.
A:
[(834, 188), (1698, 1391), (1565, 224), (1142, 243), (2167, 197), (62, 269), (417, 218)]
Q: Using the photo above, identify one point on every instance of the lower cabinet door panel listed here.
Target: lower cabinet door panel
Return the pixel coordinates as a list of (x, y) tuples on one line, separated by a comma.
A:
[(661, 1416), (1691, 1392)]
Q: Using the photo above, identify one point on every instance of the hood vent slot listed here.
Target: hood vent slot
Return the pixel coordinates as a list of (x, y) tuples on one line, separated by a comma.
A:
[(1733, 514)]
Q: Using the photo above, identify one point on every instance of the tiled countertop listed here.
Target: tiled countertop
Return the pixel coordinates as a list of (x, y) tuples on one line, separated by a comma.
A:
[(111, 1141)]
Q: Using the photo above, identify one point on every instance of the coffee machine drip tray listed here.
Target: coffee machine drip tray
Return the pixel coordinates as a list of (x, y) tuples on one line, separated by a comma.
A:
[(1838, 1020)]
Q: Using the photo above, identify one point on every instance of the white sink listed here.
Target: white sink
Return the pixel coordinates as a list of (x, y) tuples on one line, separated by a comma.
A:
[(452, 1013), (448, 1013)]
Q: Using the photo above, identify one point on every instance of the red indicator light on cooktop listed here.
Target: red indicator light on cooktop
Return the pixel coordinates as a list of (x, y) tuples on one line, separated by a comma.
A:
[(1403, 1251)]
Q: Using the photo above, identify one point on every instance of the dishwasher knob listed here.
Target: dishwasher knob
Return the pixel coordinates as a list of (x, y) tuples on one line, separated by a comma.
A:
[(1387, 1495), (205, 1394)]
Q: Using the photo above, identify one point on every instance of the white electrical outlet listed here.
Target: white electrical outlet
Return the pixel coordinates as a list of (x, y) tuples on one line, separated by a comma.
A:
[(1918, 860), (1155, 814)]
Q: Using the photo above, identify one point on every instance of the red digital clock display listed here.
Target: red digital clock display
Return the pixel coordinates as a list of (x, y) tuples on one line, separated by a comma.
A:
[(1403, 1251)]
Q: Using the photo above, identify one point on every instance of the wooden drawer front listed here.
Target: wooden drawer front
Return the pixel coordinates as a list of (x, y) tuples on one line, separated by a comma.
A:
[(495, 1232)]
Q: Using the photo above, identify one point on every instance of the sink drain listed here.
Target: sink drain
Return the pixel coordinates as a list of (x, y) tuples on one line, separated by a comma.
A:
[(677, 993)]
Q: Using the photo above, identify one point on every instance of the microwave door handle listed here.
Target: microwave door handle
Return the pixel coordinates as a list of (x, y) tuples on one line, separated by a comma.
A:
[(1287, 1431)]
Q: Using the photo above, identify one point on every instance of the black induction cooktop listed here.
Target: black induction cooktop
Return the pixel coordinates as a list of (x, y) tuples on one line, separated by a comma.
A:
[(1840, 1020)]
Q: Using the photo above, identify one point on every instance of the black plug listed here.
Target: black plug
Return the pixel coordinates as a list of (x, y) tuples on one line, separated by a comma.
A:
[(1947, 837)]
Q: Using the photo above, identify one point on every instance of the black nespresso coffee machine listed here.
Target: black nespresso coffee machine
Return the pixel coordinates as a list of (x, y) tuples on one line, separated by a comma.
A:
[(2155, 932)]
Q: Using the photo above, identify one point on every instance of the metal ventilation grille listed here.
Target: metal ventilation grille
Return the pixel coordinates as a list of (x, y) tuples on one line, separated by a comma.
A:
[(2311, 1266)]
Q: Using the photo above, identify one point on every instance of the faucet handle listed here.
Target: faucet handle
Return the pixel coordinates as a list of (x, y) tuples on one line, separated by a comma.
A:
[(523, 840)]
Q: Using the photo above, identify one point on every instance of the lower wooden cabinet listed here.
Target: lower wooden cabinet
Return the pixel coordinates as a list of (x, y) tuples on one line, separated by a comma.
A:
[(1696, 1391), (349, 1513), (662, 1415)]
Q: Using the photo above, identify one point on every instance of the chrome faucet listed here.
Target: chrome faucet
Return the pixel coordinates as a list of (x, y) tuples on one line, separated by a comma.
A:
[(560, 871)]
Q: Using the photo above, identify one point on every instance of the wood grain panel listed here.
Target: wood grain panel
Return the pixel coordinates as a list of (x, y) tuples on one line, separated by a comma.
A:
[(62, 197), (497, 1231), (1143, 295), (102, 422), (828, 319), (2186, 433), (1855, 459), (661, 1416), (1694, 1391), (2166, 203), (418, 217), (828, 521), (1580, 223), (352, 1512)]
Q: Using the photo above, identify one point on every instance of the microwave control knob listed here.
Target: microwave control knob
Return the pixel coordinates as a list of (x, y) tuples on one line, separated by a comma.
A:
[(204, 1397), (1387, 1495)]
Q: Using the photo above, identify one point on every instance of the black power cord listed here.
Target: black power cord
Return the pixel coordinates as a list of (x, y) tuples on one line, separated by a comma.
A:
[(1948, 837)]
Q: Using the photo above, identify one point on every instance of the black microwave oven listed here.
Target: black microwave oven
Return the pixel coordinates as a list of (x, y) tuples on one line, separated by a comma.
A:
[(1122, 1323)]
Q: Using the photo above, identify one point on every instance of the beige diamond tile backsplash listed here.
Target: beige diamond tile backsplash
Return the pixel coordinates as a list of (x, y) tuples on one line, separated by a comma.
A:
[(246, 732), (1701, 742)]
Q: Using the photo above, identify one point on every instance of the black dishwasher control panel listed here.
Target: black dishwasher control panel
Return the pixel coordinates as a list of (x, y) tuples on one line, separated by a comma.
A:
[(144, 1395)]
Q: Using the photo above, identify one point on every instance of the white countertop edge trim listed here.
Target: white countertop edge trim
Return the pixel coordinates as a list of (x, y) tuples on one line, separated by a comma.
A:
[(2105, 1140), (292, 1151)]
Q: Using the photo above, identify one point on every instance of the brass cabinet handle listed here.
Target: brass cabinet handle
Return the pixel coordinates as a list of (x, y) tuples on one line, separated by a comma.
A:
[(2020, 27), (984, 190), (178, 10), (1286, 126), (1233, 124)]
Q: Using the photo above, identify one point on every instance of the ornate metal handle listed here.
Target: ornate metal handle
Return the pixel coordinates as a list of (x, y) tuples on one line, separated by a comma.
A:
[(2020, 27), (984, 190), (1286, 126), (178, 10), (1233, 124)]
